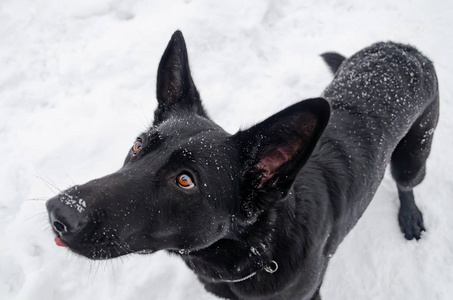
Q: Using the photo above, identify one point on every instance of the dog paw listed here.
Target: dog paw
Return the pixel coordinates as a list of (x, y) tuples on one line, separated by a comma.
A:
[(411, 222)]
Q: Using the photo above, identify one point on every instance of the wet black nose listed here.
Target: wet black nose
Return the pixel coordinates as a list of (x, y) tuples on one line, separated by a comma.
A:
[(66, 214)]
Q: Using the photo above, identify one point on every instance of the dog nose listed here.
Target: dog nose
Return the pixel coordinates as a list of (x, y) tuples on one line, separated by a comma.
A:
[(65, 217), (59, 226)]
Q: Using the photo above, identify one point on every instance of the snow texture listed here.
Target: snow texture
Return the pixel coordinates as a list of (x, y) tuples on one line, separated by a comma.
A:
[(77, 84)]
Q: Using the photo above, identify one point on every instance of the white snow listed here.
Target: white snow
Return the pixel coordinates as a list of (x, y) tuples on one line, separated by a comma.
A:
[(77, 84)]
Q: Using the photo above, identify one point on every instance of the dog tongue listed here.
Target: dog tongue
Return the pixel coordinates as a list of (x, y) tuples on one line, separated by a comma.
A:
[(59, 242)]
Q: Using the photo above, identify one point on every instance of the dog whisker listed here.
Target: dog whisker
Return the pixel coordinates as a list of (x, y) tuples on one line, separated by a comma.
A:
[(51, 185), (36, 199), (39, 217), (70, 178), (123, 247)]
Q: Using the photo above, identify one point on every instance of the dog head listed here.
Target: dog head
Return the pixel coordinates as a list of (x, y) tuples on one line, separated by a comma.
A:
[(186, 183)]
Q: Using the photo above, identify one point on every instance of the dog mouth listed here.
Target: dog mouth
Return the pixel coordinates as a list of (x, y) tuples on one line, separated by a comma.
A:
[(101, 244), (100, 251), (59, 242), (144, 251), (94, 247)]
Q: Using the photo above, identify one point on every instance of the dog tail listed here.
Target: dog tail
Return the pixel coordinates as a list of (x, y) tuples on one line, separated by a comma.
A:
[(333, 60)]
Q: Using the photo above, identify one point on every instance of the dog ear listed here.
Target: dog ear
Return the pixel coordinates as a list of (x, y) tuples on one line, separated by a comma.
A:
[(273, 152), (175, 88)]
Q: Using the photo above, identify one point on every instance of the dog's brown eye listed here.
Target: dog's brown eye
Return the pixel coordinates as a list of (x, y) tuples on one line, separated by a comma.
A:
[(185, 181), (137, 146)]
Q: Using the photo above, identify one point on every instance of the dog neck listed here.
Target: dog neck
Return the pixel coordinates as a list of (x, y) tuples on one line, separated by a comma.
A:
[(228, 261), (242, 257)]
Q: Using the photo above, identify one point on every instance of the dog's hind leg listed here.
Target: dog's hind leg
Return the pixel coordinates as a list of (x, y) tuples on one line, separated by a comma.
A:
[(408, 169)]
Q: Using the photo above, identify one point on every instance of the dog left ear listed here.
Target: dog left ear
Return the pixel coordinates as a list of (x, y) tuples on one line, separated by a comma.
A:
[(175, 87), (273, 151)]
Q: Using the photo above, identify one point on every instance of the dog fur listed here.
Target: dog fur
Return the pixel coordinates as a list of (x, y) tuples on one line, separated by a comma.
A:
[(258, 214)]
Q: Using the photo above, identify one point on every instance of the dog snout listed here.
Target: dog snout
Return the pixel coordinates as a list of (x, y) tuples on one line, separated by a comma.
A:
[(66, 214)]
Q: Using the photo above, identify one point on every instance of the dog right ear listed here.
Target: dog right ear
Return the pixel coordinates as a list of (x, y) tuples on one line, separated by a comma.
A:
[(175, 88)]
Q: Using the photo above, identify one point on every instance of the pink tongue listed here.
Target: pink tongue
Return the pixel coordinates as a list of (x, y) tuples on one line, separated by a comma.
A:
[(59, 242)]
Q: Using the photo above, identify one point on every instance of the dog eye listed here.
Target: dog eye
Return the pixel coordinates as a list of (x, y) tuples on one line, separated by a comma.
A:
[(185, 181), (137, 146)]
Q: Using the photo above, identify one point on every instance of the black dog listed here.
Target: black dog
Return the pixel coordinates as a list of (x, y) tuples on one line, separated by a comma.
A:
[(258, 214)]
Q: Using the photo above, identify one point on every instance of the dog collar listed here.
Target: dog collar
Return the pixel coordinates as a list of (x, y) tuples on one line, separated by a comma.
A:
[(272, 267)]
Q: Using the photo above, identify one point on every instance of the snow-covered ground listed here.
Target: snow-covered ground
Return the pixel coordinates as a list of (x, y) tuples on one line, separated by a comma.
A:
[(77, 83)]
